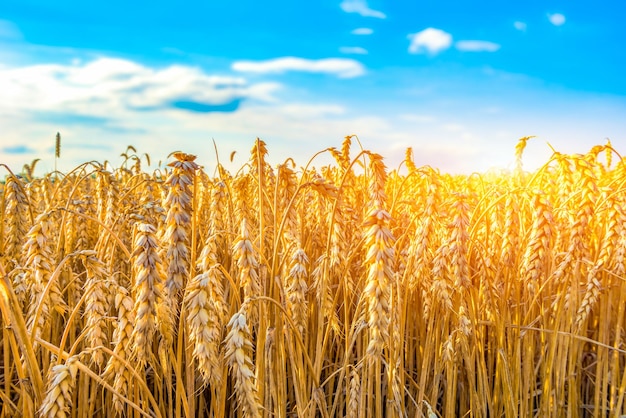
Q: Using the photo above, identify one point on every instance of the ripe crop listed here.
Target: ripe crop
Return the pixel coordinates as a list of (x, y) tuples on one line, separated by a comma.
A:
[(346, 290)]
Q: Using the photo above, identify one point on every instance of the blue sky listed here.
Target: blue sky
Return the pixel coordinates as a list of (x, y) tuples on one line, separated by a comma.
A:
[(458, 81)]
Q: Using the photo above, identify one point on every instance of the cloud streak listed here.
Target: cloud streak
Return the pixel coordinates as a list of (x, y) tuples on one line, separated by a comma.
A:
[(476, 46), (357, 50), (361, 7), (362, 31), (340, 67)]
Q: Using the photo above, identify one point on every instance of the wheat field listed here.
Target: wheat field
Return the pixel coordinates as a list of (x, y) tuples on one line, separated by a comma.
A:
[(291, 291)]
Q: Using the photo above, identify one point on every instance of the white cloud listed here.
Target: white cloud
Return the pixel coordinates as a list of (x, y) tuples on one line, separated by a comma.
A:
[(341, 67), (521, 26), (109, 87), (429, 40), (9, 31), (362, 31), (353, 50), (361, 7), (476, 46), (557, 19)]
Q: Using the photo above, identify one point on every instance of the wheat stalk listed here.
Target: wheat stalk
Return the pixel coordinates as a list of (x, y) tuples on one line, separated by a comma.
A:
[(238, 356)]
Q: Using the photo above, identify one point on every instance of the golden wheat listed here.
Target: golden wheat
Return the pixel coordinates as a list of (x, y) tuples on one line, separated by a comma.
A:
[(348, 289)]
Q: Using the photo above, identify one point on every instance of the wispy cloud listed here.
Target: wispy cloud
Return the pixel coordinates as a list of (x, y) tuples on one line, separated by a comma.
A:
[(557, 19), (353, 50), (521, 26), (361, 7), (429, 40), (362, 31), (9, 31), (109, 86), (340, 67), (476, 46)]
